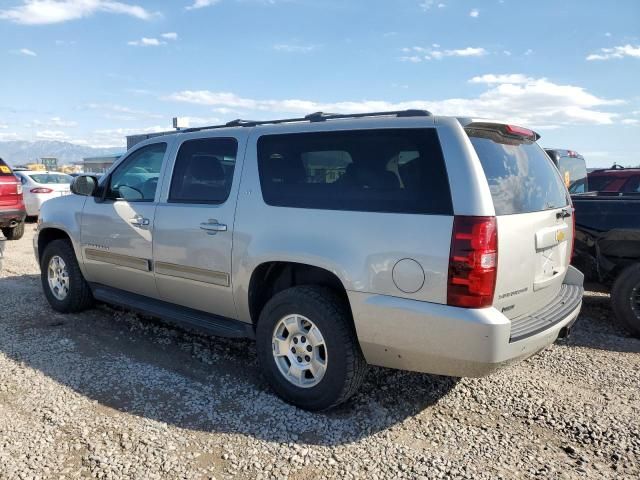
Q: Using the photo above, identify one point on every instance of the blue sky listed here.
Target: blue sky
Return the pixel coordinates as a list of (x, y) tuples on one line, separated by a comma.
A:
[(92, 71)]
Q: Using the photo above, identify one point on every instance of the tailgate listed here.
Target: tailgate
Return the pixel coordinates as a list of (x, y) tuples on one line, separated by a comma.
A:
[(533, 215), (534, 252)]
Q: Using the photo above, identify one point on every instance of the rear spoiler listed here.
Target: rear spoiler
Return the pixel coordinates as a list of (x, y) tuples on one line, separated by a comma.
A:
[(508, 130)]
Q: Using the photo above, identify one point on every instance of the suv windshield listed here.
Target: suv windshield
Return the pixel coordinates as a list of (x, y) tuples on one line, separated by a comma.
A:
[(4, 169), (522, 178)]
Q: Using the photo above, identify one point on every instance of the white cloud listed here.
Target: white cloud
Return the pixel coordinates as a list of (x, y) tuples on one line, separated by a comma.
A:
[(52, 135), (528, 52), (4, 125), (6, 137), (202, 3), (146, 42), (422, 53), (116, 137), (25, 51), (616, 52), (630, 121), (170, 35), (40, 12), (427, 5), (466, 52), (491, 78), (519, 99), (53, 122), (474, 13), (119, 112), (283, 47)]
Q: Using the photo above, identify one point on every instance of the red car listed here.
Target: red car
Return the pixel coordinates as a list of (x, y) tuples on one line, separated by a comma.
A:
[(616, 179), (12, 210)]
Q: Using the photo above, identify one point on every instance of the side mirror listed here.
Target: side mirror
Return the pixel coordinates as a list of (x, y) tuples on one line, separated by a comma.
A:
[(85, 185)]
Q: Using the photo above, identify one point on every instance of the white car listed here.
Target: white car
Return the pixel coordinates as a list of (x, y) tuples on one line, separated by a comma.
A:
[(38, 187)]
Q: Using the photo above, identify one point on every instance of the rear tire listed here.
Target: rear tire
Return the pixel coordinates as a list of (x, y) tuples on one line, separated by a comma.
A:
[(344, 365), (14, 233), (625, 299), (75, 295)]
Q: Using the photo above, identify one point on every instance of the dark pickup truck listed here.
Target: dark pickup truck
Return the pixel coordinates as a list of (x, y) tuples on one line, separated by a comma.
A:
[(607, 249)]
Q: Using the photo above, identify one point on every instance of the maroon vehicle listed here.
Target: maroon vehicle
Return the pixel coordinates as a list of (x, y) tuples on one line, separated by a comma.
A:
[(12, 210), (616, 179)]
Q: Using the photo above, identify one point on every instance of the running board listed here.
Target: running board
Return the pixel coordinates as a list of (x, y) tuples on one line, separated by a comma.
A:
[(175, 314)]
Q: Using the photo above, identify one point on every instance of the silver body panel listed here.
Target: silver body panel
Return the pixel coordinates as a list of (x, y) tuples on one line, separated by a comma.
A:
[(410, 328), (192, 265)]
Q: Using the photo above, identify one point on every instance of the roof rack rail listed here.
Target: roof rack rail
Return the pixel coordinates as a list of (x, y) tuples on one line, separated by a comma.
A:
[(313, 117)]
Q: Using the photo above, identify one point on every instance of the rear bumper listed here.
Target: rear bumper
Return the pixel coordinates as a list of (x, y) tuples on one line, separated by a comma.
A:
[(7, 217), (439, 339)]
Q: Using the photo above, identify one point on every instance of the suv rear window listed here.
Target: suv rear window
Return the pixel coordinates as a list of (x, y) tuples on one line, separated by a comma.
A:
[(574, 174), (387, 170), (4, 169), (522, 178)]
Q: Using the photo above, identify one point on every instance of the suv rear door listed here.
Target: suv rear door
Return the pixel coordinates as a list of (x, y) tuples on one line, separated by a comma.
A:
[(194, 224), (534, 217)]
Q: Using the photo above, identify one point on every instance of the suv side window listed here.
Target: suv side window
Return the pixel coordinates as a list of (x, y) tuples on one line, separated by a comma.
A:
[(203, 172), (385, 170), (136, 179)]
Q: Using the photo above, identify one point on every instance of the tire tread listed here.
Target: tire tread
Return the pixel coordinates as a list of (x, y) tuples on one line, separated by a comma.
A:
[(80, 296), (620, 292)]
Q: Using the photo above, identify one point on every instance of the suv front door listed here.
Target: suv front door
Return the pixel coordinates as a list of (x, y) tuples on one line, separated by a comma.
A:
[(194, 225), (117, 224)]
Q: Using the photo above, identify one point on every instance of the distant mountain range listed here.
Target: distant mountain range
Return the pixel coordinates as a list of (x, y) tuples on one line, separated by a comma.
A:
[(17, 152)]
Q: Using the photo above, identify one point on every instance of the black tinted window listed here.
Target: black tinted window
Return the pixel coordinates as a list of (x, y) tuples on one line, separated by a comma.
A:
[(632, 185), (599, 183), (204, 171), (522, 178), (399, 170)]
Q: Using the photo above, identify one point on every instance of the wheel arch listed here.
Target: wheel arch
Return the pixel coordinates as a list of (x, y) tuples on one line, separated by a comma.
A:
[(49, 234), (272, 277)]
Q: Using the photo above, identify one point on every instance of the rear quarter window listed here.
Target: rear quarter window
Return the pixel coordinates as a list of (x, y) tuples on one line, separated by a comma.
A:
[(521, 177), (385, 170)]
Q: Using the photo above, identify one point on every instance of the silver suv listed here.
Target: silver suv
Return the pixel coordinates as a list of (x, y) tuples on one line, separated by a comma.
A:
[(400, 239)]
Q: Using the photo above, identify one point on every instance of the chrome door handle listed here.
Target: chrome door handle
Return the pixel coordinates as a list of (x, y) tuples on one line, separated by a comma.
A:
[(212, 227), (139, 221)]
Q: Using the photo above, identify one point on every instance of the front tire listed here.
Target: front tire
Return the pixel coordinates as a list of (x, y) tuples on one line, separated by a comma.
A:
[(625, 299), (62, 281), (14, 233), (307, 348)]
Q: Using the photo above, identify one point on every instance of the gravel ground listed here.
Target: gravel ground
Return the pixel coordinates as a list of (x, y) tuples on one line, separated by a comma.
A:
[(107, 394)]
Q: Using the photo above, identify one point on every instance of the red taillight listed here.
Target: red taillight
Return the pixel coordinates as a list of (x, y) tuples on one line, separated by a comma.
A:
[(520, 131), (473, 262), (41, 190)]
